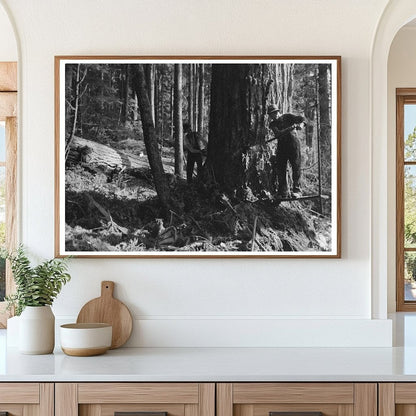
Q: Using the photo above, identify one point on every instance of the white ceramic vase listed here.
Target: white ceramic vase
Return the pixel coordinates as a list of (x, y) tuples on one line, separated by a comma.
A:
[(37, 330)]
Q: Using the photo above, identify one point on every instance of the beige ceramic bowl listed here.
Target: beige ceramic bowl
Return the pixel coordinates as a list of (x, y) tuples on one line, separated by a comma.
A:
[(83, 340)]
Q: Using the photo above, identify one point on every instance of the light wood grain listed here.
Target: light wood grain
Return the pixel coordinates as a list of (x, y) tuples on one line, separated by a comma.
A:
[(19, 393), (11, 196), (66, 399), (11, 208), (365, 399), (8, 76), (346, 410), (405, 393), (8, 105), (91, 410), (13, 409), (31, 410), (207, 399), (405, 410), (47, 399), (265, 409), (224, 399), (386, 399), (138, 393), (403, 96), (111, 311), (293, 393), (400, 304), (110, 409), (191, 410), (84, 352)]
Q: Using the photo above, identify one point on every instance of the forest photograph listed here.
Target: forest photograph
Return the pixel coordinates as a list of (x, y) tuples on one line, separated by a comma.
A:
[(197, 157)]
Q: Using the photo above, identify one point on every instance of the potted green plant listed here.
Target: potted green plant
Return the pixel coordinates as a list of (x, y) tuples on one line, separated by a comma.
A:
[(36, 289)]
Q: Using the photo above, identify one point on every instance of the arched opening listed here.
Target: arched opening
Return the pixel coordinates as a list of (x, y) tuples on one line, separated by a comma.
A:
[(383, 240)]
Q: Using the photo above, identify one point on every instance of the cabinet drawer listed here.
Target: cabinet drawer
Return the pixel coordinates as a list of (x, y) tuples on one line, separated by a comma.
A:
[(21, 399), (297, 399), (146, 399)]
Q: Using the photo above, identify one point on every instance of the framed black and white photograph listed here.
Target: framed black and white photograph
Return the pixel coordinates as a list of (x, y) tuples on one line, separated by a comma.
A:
[(198, 156)]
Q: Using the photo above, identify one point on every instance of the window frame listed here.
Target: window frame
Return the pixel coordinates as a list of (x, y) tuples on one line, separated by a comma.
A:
[(8, 113)]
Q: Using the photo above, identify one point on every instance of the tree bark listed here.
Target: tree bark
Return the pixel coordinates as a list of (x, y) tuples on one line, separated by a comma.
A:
[(125, 98), (201, 100), (190, 96), (229, 124), (178, 132), (324, 106), (150, 139), (195, 100), (77, 95), (150, 83)]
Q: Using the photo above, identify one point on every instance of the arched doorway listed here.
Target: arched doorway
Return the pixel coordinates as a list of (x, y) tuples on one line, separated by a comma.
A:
[(396, 15)]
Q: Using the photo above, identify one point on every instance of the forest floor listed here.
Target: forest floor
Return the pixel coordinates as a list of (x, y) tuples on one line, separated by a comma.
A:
[(122, 213)]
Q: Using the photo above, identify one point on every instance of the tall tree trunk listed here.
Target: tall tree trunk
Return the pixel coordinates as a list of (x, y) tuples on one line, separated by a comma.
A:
[(195, 110), (190, 96), (201, 100), (77, 95), (156, 103), (150, 82), (178, 132), (324, 93), (172, 114), (150, 139), (125, 98), (229, 124)]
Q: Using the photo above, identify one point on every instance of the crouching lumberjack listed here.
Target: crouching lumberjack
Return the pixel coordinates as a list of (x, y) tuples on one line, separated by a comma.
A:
[(288, 149)]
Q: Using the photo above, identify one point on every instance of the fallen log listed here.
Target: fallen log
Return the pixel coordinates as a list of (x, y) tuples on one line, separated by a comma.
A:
[(98, 156)]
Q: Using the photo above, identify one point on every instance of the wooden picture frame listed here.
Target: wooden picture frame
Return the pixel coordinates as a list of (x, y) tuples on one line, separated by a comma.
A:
[(262, 149)]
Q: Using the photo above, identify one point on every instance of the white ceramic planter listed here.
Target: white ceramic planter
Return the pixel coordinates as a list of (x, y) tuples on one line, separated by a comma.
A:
[(37, 330)]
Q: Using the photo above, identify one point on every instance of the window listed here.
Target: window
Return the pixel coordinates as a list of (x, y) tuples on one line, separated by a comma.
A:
[(406, 199), (8, 165)]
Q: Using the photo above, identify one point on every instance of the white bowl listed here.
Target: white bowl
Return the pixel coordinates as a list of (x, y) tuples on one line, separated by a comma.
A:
[(83, 340)]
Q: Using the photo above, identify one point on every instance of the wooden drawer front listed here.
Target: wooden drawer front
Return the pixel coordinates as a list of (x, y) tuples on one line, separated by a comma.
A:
[(105, 399), (138, 393), (293, 393), (19, 393), (331, 399)]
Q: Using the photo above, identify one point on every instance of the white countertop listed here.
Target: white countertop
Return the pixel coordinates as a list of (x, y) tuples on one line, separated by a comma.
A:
[(215, 364), (221, 364)]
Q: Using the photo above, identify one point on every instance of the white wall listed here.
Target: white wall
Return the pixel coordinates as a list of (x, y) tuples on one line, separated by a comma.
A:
[(202, 299), (401, 74), (8, 47)]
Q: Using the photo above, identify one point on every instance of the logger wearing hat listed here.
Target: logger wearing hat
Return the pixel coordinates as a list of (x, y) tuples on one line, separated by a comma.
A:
[(288, 149), (194, 146)]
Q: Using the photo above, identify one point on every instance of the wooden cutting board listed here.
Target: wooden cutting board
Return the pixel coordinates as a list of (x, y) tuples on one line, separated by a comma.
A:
[(108, 310)]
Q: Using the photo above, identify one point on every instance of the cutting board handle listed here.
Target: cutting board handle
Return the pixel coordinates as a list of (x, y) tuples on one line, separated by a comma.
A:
[(107, 289)]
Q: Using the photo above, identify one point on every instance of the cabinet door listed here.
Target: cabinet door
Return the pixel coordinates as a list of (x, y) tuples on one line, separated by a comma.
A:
[(397, 399), (297, 399), (26, 399), (141, 399)]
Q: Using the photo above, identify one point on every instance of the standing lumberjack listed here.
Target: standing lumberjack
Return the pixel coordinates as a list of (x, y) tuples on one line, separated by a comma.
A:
[(288, 149), (194, 146)]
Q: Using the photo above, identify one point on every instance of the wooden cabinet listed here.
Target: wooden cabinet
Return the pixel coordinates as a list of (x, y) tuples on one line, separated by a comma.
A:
[(27, 399), (108, 399), (397, 399), (263, 399), (208, 399)]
